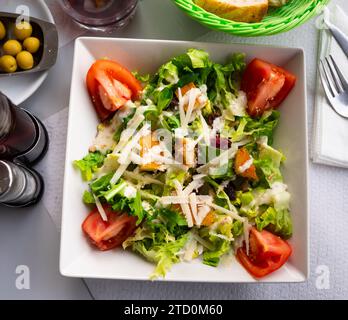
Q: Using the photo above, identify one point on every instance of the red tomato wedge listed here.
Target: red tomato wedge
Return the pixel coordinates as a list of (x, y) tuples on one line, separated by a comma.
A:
[(106, 235), (266, 86), (110, 86), (267, 253)]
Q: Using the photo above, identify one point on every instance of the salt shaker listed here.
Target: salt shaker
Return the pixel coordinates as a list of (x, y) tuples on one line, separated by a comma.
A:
[(19, 185)]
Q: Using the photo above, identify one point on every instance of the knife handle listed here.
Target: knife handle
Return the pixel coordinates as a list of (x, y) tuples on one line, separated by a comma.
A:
[(340, 37)]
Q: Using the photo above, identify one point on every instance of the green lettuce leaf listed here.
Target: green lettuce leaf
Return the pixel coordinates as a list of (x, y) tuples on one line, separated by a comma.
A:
[(164, 255), (221, 198), (265, 126), (199, 58), (175, 174), (168, 74), (269, 163), (212, 257), (237, 229), (114, 196), (223, 81), (102, 184), (142, 78), (160, 238), (169, 122), (278, 222), (164, 98), (166, 224), (88, 198), (223, 172), (136, 208), (90, 164), (270, 171)]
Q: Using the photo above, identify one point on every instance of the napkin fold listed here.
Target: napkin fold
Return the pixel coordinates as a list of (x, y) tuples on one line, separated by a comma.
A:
[(330, 131)]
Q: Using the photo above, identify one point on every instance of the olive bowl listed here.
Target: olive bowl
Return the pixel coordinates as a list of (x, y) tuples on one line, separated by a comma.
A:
[(45, 31)]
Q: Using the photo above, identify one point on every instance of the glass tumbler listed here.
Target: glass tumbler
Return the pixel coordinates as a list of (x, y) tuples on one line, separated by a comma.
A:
[(100, 15)]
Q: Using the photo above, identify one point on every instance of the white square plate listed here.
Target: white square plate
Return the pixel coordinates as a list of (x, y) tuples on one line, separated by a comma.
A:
[(79, 259)]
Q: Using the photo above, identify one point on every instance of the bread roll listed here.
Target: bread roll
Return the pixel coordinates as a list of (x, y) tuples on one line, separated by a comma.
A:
[(236, 10)]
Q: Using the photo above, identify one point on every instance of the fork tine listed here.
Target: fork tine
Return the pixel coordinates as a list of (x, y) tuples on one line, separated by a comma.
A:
[(340, 74), (324, 82), (334, 75), (326, 79)]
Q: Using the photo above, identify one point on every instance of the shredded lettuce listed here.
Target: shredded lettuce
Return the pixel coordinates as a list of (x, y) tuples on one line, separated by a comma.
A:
[(164, 255), (160, 239), (265, 126)]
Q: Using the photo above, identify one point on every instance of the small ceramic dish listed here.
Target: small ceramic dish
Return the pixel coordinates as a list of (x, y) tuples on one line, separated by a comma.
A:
[(46, 32)]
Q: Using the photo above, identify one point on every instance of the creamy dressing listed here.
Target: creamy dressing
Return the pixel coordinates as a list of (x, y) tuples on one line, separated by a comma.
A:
[(218, 124), (246, 166), (278, 195), (126, 110), (104, 140), (238, 106), (146, 205), (130, 192)]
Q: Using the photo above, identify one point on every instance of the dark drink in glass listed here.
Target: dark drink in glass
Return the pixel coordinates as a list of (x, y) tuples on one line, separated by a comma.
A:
[(100, 14)]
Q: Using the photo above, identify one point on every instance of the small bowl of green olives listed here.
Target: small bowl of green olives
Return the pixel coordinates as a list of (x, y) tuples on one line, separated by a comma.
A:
[(26, 45)]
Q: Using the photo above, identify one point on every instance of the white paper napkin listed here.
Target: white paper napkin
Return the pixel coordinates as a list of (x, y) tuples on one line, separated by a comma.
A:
[(52, 166), (330, 141)]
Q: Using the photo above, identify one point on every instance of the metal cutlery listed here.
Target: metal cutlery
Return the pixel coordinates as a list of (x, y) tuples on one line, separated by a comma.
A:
[(340, 36), (335, 85)]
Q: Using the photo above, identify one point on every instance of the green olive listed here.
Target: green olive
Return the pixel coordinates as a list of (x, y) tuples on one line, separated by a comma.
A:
[(2, 31), (8, 64), (23, 30), (25, 60), (12, 47), (31, 44)]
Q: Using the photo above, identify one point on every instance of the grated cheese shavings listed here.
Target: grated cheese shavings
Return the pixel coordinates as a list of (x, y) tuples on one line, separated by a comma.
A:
[(100, 208), (232, 213), (185, 207)]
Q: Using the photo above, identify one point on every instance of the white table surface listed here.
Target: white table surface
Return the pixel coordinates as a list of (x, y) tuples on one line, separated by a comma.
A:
[(30, 237)]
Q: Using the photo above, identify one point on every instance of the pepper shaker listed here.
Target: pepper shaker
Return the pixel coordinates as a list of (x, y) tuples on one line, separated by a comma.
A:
[(22, 136)]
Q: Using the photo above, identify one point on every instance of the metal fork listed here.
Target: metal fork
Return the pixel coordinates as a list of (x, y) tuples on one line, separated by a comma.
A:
[(335, 85)]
